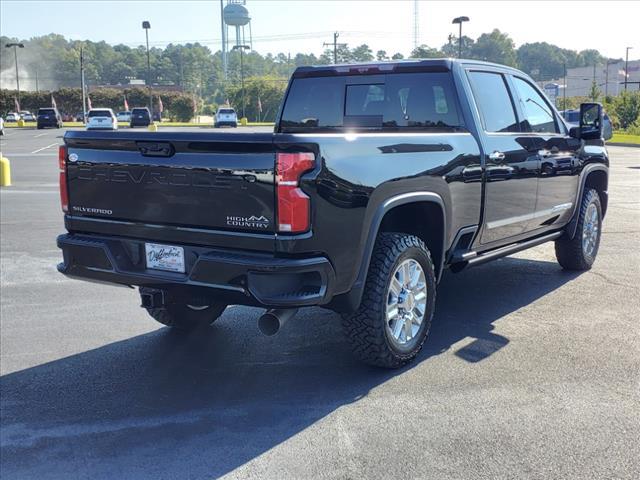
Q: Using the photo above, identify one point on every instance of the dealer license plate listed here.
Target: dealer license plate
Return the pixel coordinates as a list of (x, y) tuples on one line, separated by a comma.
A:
[(165, 257)]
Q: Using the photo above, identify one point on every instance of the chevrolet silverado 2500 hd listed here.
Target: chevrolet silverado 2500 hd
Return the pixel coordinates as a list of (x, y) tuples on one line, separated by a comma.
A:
[(377, 177)]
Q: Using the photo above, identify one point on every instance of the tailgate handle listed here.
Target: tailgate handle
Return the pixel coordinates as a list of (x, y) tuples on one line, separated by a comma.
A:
[(155, 149)]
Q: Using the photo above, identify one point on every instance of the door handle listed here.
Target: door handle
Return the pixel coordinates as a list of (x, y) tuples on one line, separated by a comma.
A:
[(495, 156)]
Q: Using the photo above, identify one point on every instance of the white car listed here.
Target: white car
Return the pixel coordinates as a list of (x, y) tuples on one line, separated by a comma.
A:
[(12, 117), (27, 116), (124, 117), (225, 116), (101, 118), (1, 126)]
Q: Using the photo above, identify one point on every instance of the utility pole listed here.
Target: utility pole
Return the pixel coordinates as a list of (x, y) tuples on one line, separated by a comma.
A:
[(626, 69), (84, 91), (242, 48), (335, 46), (15, 47)]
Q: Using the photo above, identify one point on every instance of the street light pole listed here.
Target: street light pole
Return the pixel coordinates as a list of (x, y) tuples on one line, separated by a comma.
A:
[(242, 48), (459, 21), (626, 69), (146, 25), (15, 47)]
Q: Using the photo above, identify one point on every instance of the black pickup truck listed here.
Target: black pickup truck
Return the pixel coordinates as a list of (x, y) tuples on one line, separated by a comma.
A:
[(377, 177)]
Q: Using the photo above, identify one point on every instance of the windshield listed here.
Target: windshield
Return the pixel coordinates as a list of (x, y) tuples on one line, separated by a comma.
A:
[(400, 101)]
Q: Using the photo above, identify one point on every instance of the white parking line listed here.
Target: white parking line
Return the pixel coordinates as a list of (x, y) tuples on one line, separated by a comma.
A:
[(39, 135), (44, 148)]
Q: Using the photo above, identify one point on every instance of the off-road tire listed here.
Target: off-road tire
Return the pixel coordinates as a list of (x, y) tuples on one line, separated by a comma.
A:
[(570, 251), (185, 317), (366, 329)]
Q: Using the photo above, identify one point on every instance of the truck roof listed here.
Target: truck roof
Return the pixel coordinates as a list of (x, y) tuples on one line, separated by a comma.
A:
[(411, 64)]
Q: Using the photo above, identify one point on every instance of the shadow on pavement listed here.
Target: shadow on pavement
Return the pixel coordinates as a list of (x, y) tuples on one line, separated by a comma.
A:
[(162, 405)]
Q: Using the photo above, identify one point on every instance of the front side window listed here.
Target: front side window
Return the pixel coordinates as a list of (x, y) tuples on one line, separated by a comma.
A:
[(494, 102), (538, 114)]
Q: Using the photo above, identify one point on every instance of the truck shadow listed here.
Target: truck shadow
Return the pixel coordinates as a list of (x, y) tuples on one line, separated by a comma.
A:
[(162, 405)]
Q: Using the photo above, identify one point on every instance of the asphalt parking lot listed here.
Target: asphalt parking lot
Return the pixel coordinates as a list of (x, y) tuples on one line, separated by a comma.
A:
[(529, 372)]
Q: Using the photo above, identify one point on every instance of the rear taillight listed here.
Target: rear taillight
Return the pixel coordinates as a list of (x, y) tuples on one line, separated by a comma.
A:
[(293, 204), (62, 165)]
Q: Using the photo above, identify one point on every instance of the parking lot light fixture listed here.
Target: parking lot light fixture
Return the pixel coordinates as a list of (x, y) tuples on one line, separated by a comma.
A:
[(146, 25), (15, 47), (459, 21), (242, 48)]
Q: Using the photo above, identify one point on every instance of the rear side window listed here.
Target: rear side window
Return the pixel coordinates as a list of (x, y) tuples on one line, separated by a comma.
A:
[(538, 114), (99, 113), (394, 102), (493, 100)]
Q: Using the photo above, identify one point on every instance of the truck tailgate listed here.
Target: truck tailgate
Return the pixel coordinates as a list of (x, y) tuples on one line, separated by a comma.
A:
[(200, 180)]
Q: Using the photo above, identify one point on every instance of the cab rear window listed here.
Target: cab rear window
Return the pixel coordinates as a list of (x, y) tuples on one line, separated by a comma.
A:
[(99, 113), (393, 102)]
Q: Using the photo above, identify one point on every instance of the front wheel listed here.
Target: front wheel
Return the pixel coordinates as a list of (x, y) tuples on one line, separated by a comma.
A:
[(393, 320), (579, 252)]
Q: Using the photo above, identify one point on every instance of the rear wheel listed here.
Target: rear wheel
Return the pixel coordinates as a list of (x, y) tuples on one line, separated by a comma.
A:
[(187, 316), (579, 252), (394, 317)]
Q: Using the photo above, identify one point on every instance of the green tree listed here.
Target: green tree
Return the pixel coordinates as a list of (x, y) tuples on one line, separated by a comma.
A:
[(594, 91), (424, 51), (381, 55), (362, 53), (450, 49), (495, 47)]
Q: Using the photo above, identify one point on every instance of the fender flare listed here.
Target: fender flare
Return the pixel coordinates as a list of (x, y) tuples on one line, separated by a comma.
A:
[(573, 223), (395, 201)]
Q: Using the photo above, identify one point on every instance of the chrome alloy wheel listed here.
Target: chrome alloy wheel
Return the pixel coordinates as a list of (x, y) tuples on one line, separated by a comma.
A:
[(590, 230), (406, 303)]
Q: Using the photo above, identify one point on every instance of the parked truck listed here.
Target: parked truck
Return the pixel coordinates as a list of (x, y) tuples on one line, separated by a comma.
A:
[(376, 178)]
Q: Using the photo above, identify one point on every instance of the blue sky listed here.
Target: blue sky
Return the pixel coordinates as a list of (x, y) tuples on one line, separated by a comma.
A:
[(297, 25)]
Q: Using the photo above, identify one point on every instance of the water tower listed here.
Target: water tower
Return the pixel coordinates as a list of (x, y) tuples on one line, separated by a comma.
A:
[(234, 14)]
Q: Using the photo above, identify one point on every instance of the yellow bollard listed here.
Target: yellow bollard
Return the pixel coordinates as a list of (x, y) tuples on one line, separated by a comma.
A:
[(5, 172), (244, 121), (153, 127), (21, 123)]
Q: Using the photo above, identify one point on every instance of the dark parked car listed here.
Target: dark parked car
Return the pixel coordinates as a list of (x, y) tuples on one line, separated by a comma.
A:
[(140, 117), (49, 117), (377, 178)]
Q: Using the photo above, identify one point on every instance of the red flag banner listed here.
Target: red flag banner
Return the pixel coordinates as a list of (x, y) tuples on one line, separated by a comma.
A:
[(160, 106), (53, 102), (17, 104), (89, 107), (259, 105), (126, 104)]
